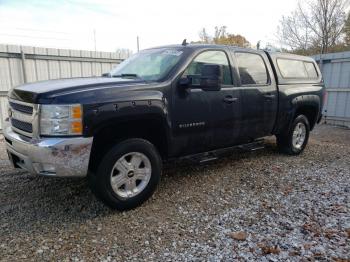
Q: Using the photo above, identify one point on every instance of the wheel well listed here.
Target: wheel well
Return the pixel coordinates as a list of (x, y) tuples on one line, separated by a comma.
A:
[(152, 130), (310, 112)]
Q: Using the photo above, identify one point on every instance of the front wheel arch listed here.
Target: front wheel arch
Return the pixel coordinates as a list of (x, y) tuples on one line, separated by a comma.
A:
[(100, 181), (152, 129)]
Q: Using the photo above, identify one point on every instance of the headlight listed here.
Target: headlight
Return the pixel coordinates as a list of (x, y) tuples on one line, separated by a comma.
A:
[(61, 120)]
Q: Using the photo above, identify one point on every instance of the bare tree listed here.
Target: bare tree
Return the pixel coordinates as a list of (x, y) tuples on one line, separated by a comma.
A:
[(293, 32), (347, 31), (204, 36), (316, 24), (220, 32), (222, 37)]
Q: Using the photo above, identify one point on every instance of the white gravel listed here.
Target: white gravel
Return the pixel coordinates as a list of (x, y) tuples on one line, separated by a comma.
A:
[(252, 206)]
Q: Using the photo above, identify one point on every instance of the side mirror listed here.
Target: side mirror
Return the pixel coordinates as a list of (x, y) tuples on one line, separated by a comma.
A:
[(185, 81), (211, 77)]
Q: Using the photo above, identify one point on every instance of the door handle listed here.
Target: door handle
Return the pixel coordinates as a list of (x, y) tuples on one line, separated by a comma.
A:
[(230, 99), (269, 96)]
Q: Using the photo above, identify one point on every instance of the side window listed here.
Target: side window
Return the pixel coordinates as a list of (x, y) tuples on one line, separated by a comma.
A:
[(311, 70), (209, 57), (252, 69), (292, 68)]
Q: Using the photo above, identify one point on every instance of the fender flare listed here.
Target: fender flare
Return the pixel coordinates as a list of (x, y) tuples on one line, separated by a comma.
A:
[(310, 101)]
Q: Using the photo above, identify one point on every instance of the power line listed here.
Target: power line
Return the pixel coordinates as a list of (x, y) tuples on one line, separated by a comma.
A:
[(43, 31), (35, 37)]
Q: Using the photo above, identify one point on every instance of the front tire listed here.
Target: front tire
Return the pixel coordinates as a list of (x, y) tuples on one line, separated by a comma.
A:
[(294, 141), (128, 174)]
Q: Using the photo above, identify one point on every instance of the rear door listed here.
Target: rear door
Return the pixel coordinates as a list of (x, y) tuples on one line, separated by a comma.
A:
[(258, 93)]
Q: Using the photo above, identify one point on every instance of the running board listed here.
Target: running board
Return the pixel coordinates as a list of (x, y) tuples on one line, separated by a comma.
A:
[(215, 154), (256, 145), (204, 160)]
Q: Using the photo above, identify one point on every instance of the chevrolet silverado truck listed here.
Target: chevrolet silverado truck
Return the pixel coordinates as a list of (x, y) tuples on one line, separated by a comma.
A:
[(166, 103)]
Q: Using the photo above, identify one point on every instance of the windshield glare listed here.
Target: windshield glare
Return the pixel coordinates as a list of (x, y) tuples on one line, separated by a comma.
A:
[(151, 65)]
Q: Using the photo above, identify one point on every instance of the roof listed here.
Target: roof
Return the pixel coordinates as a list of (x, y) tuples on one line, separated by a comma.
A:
[(200, 46), (290, 56), (237, 48)]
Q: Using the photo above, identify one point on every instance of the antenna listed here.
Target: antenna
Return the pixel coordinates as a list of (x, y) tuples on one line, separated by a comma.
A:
[(184, 43)]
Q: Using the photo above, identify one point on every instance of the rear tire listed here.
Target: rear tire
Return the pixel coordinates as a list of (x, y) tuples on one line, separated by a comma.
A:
[(294, 141), (127, 175)]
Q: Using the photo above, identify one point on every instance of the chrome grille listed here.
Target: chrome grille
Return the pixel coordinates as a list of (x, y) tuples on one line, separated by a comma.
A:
[(24, 126), (23, 117), (22, 108)]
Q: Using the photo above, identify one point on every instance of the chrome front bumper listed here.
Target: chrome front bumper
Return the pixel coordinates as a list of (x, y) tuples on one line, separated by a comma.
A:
[(59, 157)]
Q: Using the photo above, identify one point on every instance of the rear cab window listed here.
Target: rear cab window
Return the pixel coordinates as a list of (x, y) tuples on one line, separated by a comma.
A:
[(296, 69), (311, 69)]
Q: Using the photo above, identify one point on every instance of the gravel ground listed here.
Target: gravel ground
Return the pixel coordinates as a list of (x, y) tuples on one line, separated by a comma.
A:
[(252, 206)]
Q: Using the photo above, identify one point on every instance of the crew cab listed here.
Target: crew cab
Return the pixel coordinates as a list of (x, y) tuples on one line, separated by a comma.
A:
[(165, 103)]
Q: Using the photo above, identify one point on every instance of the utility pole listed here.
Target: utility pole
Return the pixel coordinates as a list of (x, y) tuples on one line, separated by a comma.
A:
[(23, 59), (95, 39), (138, 44)]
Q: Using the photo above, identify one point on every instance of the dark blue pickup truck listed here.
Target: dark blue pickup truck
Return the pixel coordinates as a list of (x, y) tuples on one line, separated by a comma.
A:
[(164, 103)]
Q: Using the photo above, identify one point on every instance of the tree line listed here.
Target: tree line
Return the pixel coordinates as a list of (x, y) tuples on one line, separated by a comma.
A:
[(222, 37), (315, 27)]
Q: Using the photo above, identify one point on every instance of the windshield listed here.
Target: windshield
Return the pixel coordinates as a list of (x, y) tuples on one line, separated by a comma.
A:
[(151, 65)]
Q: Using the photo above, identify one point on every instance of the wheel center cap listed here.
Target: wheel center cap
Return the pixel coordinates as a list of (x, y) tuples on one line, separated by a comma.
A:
[(131, 173)]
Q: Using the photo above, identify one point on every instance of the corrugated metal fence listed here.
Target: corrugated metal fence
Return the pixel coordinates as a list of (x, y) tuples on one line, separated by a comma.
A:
[(22, 64), (335, 68)]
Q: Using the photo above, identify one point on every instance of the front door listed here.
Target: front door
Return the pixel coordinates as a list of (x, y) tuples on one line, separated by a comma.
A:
[(205, 120)]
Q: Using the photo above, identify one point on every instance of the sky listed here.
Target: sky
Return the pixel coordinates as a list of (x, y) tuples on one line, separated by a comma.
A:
[(72, 23)]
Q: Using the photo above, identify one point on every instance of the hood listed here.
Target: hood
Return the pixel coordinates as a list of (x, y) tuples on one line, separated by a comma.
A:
[(47, 90)]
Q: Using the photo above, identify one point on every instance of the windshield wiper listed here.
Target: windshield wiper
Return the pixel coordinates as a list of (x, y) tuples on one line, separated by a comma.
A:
[(128, 76)]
